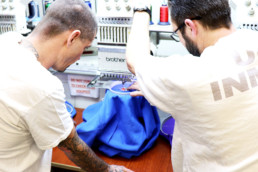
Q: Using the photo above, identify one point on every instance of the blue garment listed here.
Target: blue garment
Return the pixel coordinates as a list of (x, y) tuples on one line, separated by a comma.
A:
[(167, 129), (120, 125), (70, 108)]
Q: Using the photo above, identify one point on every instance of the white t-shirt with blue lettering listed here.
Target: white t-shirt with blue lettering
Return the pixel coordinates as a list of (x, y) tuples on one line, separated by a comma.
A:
[(214, 101)]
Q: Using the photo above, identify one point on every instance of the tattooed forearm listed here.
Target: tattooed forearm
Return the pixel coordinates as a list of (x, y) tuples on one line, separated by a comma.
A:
[(82, 155)]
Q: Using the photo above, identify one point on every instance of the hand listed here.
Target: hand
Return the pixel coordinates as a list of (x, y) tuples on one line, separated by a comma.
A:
[(116, 168), (136, 87)]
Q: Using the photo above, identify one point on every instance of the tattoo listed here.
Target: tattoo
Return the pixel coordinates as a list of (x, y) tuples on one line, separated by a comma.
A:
[(27, 44), (82, 155)]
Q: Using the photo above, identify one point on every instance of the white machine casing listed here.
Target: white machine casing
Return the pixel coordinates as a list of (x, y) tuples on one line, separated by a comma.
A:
[(245, 14), (12, 16), (114, 22)]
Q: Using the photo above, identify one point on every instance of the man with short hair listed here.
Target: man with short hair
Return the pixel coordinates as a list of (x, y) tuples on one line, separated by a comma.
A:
[(33, 115), (211, 93)]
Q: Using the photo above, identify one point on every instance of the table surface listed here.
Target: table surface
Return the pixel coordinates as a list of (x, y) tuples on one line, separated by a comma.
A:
[(157, 159)]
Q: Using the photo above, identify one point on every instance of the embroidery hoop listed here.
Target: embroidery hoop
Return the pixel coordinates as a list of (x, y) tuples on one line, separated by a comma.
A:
[(117, 83)]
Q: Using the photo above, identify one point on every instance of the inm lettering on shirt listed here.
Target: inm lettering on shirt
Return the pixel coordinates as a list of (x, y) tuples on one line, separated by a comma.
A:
[(241, 84)]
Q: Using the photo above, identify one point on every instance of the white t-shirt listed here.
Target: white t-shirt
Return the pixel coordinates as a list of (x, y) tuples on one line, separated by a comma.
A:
[(33, 116), (214, 100)]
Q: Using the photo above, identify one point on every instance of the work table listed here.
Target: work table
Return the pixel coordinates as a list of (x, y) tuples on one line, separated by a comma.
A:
[(157, 159)]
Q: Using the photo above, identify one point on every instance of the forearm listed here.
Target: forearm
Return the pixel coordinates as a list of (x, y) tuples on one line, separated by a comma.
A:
[(82, 155), (138, 45)]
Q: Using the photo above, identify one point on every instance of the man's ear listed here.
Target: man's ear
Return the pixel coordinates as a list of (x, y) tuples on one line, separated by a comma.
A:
[(73, 36), (191, 26)]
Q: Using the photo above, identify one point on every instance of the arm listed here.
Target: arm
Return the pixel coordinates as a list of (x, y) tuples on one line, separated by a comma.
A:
[(82, 155), (138, 46)]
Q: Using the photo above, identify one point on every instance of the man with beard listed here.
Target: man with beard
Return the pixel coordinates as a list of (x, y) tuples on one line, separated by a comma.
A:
[(213, 97), (33, 115)]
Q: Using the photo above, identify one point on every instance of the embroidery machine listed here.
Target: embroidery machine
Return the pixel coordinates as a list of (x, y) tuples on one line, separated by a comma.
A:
[(12, 16), (114, 20)]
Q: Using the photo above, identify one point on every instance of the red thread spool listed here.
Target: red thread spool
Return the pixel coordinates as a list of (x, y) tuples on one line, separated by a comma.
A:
[(164, 13)]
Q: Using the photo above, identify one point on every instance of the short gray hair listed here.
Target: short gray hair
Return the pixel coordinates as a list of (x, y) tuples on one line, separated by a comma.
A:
[(63, 15)]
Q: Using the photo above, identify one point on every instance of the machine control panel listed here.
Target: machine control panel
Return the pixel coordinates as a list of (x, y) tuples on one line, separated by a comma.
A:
[(115, 8), (245, 14), (7, 7), (12, 16)]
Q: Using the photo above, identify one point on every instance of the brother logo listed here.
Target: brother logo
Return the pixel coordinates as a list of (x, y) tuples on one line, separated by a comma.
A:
[(115, 59)]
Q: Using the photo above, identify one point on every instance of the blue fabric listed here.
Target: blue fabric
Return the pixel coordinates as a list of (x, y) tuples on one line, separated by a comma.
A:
[(70, 108), (167, 129), (120, 125)]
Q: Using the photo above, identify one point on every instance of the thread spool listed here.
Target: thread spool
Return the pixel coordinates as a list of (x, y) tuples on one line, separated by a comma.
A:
[(88, 3), (47, 4), (164, 15), (151, 22)]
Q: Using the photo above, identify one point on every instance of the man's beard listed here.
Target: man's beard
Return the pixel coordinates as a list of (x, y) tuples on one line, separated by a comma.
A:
[(190, 46)]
